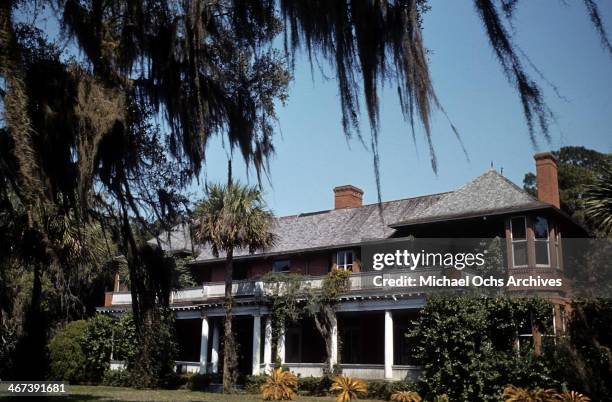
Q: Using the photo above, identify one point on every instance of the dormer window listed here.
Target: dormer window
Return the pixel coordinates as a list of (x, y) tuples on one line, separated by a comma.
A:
[(518, 231), (344, 260), (540, 231)]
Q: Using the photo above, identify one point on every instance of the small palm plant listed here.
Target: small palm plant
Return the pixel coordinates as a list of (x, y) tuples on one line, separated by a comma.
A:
[(348, 389), (572, 396), (279, 386), (517, 394), (406, 396), (441, 398)]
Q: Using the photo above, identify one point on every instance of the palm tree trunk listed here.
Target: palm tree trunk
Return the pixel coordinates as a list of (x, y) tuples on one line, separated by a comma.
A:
[(229, 350)]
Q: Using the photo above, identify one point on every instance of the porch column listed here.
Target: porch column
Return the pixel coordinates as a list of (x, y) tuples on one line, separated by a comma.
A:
[(334, 344), (214, 355), (204, 345), (256, 342), (268, 344), (388, 345), (280, 345)]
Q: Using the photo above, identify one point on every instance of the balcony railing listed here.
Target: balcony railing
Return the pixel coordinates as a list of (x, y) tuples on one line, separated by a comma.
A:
[(361, 281)]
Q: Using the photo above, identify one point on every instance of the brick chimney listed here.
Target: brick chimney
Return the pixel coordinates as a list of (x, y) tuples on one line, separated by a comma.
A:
[(546, 173), (347, 197)]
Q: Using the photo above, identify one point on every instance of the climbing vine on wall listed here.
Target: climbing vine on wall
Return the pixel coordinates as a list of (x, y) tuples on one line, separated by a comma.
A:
[(291, 297), (286, 294)]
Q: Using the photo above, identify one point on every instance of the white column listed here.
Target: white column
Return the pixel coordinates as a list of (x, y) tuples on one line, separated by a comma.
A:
[(280, 344), (256, 342), (204, 345), (268, 344), (388, 345), (214, 355), (334, 344)]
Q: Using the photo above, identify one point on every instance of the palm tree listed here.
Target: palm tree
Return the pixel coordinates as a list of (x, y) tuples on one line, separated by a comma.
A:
[(232, 217), (598, 202)]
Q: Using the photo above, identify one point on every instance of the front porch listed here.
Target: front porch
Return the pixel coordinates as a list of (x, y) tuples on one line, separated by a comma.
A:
[(368, 341)]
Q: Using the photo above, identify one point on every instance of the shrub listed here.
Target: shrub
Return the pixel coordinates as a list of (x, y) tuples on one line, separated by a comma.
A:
[(380, 389), (406, 396), (253, 383), (465, 346), (66, 354), (589, 361), (348, 389), (199, 382), (279, 386), (154, 366), (124, 336), (440, 398), (97, 342), (116, 378), (314, 386)]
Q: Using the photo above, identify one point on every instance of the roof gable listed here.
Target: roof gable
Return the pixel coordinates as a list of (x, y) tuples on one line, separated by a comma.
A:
[(488, 193)]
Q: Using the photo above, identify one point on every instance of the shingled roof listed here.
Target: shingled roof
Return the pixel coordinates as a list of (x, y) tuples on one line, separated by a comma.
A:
[(487, 194)]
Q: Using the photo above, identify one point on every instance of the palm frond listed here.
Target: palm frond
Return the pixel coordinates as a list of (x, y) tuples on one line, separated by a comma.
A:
[(598, 202)]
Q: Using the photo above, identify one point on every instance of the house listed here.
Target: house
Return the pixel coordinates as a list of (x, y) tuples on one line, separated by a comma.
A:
[(371, 319)]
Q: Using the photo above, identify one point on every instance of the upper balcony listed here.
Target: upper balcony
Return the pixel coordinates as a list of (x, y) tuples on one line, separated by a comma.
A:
[(361, 282)]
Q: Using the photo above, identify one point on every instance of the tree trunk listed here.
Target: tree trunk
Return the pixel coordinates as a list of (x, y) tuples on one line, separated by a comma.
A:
[(323, 322), (31, 348), (147, 368), (229, 349)]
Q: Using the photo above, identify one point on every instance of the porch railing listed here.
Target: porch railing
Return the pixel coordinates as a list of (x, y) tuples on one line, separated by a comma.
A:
[(360, 281)]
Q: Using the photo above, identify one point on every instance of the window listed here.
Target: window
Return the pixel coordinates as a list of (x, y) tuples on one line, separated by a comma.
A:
[(293, 345), (540, 230), (518, 229), (344, 260), (351, 345), (281, 266)]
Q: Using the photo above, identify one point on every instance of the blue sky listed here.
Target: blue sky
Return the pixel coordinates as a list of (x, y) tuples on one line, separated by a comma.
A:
[(313, 155)]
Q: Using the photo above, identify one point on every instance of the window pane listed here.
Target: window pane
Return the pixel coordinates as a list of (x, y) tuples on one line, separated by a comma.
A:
[(518, 228), (520, 253), (281, 266), (349, 258), (541, 248), (540, 228), (344, 259)]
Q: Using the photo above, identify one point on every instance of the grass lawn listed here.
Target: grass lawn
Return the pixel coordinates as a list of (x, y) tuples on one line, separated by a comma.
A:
[(99, 393)]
